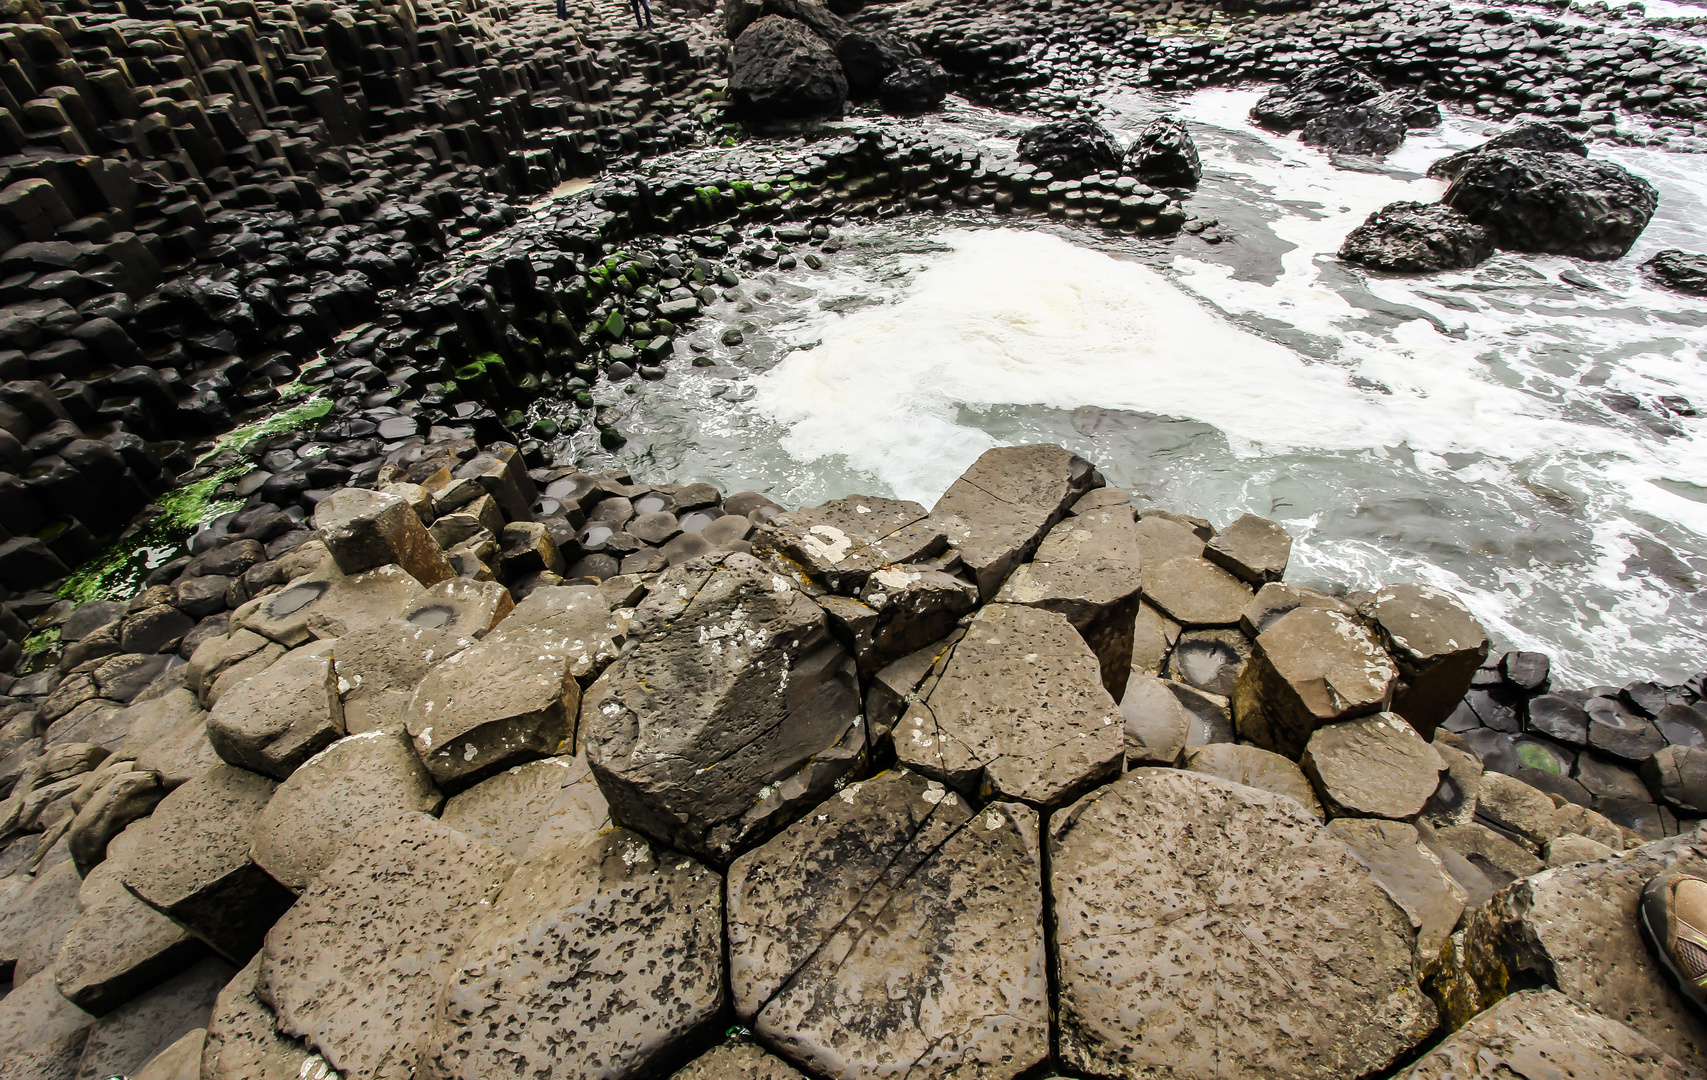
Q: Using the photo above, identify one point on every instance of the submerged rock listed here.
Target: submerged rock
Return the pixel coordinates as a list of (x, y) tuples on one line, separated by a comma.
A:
[(1553, 203), (1417, 238), (1680, 271)]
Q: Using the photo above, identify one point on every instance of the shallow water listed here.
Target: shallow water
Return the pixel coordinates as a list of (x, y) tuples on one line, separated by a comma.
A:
[(1497, 432)]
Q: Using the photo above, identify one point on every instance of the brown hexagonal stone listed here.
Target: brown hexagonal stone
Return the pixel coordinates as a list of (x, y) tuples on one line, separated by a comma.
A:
[(736, 1061), (507, 699), (1153, 637), (1255, 767), (1414, 876), (338, 794), (843, 541), (1542, 1033), (1575, 928), (543, 803), (274, 721), (1196, 592), (1438, 645), (601, 950), (1678, 775), (193, 864), (1278, 598), (378, 668), (900, 610), (1310, 667), (242, 1042), (1208, 929), (1019, 712), (582, 616), (1158, 726), (354, 967), (1374, 766), (998, 509), (1086, 569), (365, 529), (1252, 549), (734, 710), (1161, 539), (168, 736), (326, 604), (895, 930), (41, 1033), (460, 606)]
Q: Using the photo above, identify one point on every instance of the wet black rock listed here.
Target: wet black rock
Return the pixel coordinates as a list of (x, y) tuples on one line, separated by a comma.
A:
[(1549, 138), (870, 56), (1165, 155), (1290, 107), (780, 70), (1679, 271), (1070, 148), (1553, 203), (917, 86), (1355, 129), (1411, 238)]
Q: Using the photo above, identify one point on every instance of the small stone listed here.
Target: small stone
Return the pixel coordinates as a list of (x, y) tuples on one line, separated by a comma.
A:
[(736, 1061), (367, 529), (1253, 549), (1255, 767), (274, 721), (355, 966), (1569, 850), (1375, 766), (1557, 718), (1309, 668)]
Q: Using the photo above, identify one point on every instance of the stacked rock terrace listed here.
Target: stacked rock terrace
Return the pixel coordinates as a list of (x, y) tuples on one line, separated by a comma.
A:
[(884, 786)]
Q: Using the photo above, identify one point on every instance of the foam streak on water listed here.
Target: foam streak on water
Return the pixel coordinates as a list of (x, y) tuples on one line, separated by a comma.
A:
[(1455, 429)]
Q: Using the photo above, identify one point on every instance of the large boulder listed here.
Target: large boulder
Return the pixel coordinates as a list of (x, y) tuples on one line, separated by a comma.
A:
[(896, 931), (735, 709), (997, 511), (1312, 666), (869, 56), (1549, 138), (1679, 271), (355, 966), (738, 15), (1542, 1033), (1207, 929), (1164, 155), (1019, 712), (601, 950), (1069, 149), (1552, 203), (780, 70), (1417, 238), (1290, 107), (917, 86)]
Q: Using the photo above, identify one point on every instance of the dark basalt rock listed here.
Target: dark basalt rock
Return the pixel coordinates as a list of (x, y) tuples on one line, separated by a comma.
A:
[(1679, 271), (1290, 107), (870, 56), (917, 86), (1553, 203), (1545, 137), (1165, 155), (1070, 148), (1412, 238), (1355, 129), (780, 70)]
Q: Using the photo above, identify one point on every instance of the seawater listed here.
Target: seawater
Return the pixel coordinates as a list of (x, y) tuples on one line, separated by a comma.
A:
[(1498, 432)]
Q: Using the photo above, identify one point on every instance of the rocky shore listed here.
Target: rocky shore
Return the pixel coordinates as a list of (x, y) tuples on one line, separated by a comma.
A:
[(351, 727)]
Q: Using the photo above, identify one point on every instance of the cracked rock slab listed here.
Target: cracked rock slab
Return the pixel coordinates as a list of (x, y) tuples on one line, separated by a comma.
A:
[(1311, 667), (1541, 1033), (895, 931), (843, 542), (507, 699), (900, 610), (597, 958), (1252, 549), (1196, 592), (734, 710), (998, 509), (1020, 712), (1414, 876), (1086, 569), (1207, 929), (1255, 767), (243, 1044), (354, 967)]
